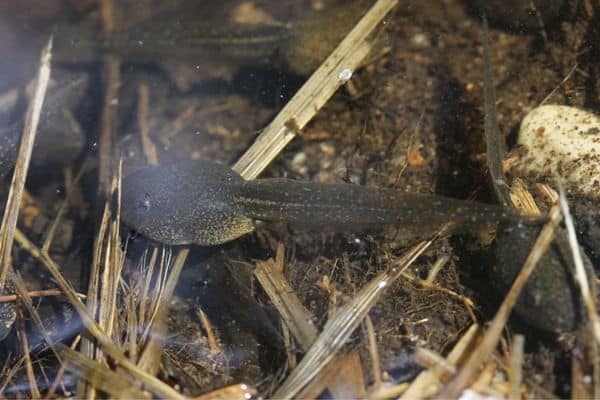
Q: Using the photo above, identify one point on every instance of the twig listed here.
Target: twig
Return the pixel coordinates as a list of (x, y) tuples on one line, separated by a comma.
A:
[(428, 381), (113, 263), (101, 377), (143, 105), (297, 318), (339, 328), (213, 343), (35, 393), (586, 288), (428, 359), (108, 121), (61, 372), (333, 72), (10, 374), (580, 270), (490, 340), (565, 79), (11, 212), (515, 372), (373, 352), (37, 293)]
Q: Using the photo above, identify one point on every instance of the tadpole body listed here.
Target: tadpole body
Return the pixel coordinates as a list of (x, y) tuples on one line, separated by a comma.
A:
[(205, 203)]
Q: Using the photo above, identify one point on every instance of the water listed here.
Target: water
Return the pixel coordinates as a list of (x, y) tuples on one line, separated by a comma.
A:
[(200, 80)]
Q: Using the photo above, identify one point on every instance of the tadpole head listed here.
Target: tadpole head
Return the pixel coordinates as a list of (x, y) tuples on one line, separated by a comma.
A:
[(184, 202), (148, 206)]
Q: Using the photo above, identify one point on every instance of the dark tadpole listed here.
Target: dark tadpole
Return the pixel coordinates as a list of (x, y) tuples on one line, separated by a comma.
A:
[(201, 202)]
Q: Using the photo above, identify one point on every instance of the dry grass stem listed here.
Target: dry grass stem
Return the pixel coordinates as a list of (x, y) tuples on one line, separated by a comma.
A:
[(429, 359), (343, 377), (580, 270), (88, 348), (108, 124), (389, 391), (515, 371), (152, 383), (143, 122), (213, 343), (150, 355), (339, 328), (522, 199), (110, 271), (428, 382), (10, 374), (108, 119), (437, 267), (333, 72), (565, 79), (492, 335), (373, 351), (22, 335), (100, 377), (61, 372), (587, 288), (580, 387), (11, 211), (297, 318), (36, 293), (148, 268)]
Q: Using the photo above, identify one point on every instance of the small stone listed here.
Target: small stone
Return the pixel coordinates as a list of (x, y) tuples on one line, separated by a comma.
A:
[(561, 144), (299, 159), (420, 40)]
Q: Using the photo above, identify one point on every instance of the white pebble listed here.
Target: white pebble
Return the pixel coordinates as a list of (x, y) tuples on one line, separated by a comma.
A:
[(561, 142), (420, 40)]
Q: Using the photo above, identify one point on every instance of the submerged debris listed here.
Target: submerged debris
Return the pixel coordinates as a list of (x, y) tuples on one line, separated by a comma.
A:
[(160, 81)]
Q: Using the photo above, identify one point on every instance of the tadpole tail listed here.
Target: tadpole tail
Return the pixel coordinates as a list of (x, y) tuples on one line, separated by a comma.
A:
[(348, 205)]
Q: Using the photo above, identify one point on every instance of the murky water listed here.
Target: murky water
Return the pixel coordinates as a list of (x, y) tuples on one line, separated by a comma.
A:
[(134, 83)]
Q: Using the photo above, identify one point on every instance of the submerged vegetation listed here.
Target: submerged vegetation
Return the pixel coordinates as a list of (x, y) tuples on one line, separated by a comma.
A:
[(483, 283)]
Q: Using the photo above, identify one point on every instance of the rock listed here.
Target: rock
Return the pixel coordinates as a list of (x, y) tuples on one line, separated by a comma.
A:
[(551, 299), (561, 142)]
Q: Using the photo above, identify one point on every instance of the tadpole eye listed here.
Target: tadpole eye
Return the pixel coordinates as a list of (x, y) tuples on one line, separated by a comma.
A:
[(144, 204)]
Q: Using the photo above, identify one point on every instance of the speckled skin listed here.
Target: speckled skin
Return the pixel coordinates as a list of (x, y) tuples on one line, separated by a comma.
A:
[(8, 313), (208, 204), (185, 202), (9, 147)]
